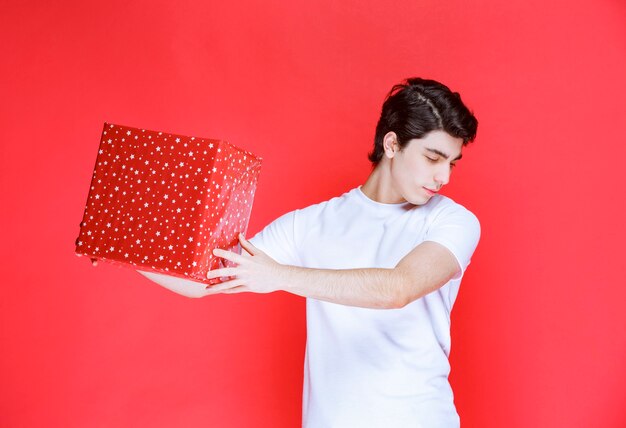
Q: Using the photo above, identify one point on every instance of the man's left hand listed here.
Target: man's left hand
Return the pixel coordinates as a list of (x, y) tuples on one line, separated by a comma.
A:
[(255, 271)]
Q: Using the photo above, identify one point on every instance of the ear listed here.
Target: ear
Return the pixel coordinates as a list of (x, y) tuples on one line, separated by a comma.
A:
[(390, 144)]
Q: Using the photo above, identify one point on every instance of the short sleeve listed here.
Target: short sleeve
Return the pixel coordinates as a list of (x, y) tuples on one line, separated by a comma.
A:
[(278, 241), (457, 229)]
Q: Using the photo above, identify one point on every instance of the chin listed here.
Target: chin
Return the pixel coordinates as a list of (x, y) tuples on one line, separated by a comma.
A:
[(421, 199), (418, 200)]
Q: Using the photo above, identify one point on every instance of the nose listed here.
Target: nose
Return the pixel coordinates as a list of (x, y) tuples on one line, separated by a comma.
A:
[(442, 175)]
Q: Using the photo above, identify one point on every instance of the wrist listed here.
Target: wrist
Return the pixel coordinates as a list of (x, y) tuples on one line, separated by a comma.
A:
[(290, 278)]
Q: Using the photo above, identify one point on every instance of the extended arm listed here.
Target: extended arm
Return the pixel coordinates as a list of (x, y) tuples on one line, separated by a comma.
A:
[(181, 286), (426, 268)]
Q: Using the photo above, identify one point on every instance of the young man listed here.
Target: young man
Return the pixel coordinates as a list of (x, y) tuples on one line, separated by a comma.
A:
[(380, 267)]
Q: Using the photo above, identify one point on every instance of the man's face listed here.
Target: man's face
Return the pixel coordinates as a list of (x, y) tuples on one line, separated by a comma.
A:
[(423, 167)]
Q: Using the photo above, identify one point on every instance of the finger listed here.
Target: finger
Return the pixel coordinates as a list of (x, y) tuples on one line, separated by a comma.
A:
[(228, 255), (222, 286), (246, 245), (236, 290), (216, 273)]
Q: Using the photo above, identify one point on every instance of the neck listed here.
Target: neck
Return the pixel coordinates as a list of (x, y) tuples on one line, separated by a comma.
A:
[(379, 187)]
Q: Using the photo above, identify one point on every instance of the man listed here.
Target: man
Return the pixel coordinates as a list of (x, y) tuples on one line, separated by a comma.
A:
[(380, 267)]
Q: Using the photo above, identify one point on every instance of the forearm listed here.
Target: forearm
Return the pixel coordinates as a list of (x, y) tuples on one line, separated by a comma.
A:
[(426, 268), (180, 286), (369, 288)]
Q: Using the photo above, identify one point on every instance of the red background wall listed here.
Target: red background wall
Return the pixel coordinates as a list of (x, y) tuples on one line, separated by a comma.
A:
[(538, 329)]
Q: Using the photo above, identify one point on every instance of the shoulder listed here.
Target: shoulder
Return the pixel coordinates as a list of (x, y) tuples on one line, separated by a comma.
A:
[(442, 208), (456, 228), (311, 212), (281, 238), (329, 207)]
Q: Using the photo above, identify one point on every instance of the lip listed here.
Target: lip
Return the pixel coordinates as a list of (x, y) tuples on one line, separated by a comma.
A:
[(430, 192)]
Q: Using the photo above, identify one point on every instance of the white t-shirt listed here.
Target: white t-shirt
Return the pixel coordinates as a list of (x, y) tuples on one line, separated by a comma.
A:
[(375, 367)]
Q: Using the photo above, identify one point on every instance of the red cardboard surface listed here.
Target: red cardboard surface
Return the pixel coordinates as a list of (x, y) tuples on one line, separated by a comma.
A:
[(164, 201)]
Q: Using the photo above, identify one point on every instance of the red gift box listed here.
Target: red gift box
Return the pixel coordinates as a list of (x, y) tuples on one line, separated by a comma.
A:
[(162, 202)]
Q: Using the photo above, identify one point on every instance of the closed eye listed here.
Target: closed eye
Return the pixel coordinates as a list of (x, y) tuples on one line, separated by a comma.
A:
[(435, 160)]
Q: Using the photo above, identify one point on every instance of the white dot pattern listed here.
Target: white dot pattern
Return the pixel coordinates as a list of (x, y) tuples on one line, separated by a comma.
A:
[(163, 202)]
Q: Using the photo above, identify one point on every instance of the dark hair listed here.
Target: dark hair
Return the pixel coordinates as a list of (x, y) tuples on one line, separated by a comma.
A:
[(418, 106)]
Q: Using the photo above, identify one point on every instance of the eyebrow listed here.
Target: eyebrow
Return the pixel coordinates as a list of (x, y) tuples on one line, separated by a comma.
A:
[(440, 153)]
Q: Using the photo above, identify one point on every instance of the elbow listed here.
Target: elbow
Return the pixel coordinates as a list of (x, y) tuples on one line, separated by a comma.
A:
[(398, 298), (402, 291), (392, 303), (398, 301)]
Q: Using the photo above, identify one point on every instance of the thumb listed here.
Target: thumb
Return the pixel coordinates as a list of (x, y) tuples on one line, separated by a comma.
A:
[(246, 245)]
